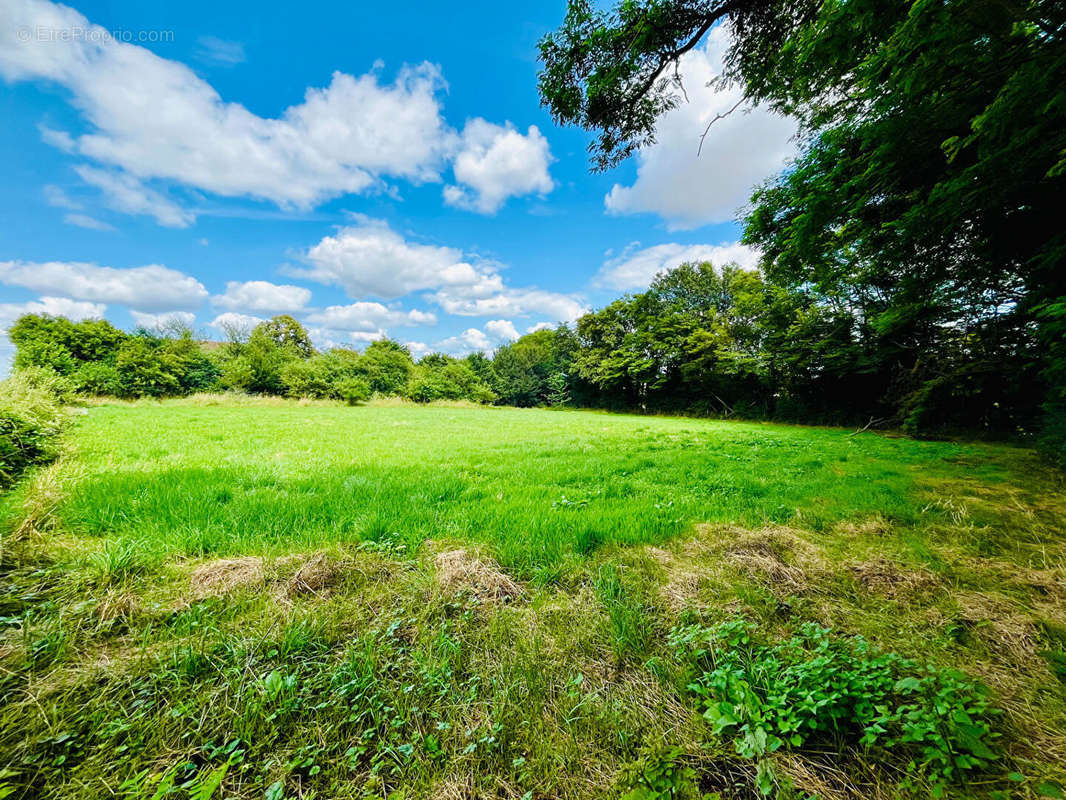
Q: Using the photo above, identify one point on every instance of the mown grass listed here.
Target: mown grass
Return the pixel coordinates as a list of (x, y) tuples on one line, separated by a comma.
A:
[(270, 599)]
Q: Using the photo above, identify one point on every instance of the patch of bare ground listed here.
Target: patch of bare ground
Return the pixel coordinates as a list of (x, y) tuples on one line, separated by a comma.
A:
[(462, 570)]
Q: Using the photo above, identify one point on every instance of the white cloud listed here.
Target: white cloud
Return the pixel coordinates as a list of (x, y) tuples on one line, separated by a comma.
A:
[(223, 52), (369, 258), (635, 268), (540, 326), (126, 193), (232, 321), (418, 349), (366, 316), (85, 221), (150, 288), (742, 149), (262, 296), (156, 119), (366, 336), (501, 329), (495, 162), (511, 302), (55, 196), (163, 321), (469, 341)]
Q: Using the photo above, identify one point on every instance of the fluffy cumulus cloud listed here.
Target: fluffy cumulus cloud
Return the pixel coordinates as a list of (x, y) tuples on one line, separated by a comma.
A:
[(469, 341), (368, 258), (367, 316), (496, 162), (155, 118), (262, 296), (473, 340), (502, 329), (636, 267), (164, 321), (231, 321), (689, 187), (148, 288)]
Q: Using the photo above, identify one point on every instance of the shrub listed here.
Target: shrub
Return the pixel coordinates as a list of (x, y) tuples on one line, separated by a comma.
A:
[(818, 689), (31, 419), (387, 366), (441, 377), (145, 371), (97, 378), (353, 390), (322, 375)]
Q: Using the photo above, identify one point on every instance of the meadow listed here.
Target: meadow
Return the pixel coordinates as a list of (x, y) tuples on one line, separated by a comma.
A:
[(246, 598)]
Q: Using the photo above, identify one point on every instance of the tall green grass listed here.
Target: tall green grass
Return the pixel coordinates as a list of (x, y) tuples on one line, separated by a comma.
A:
[(538, 486)]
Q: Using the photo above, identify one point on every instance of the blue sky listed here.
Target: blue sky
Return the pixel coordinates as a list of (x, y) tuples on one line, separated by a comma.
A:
[(373, 169)]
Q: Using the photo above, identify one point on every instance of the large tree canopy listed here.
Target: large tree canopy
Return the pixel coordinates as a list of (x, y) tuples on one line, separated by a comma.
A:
[(926, 202)]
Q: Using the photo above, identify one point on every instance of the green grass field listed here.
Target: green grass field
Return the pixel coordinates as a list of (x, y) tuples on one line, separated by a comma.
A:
[(246, 599)]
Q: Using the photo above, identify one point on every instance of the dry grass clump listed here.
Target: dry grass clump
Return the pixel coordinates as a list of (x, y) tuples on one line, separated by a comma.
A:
[(684, 579), (1010, 634), (317, 576), (888, 579), (224, 575), (463, 570), (775, 555)]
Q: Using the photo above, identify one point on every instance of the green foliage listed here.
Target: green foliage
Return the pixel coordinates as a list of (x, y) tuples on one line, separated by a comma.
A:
[(31, 419), (288, 334), (534, 370), (818, 689), (441, 377), (97, 378), (387, 366), (62, 345), (661, 773), (915, 298), (256, 365), (353, 390)]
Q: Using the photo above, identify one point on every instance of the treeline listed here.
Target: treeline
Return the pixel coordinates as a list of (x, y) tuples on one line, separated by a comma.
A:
[(701, 340), (94, 358)]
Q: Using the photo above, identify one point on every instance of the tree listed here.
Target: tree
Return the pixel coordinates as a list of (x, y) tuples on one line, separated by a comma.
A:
[(615, 72), (921, 218), (387, 366), (286, 333)]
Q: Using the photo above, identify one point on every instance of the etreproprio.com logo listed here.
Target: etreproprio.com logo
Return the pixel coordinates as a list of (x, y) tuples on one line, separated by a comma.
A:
[(92, 34)]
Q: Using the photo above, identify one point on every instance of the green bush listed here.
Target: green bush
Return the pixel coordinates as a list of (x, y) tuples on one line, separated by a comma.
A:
[(353, 390), (31, 419), (441, 377), (816, 689), (323, 375), (97, 378)]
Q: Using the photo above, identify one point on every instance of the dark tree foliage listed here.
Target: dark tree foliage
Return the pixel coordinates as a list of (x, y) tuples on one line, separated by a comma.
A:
[(614, 72), (535, 370), (919, 231)]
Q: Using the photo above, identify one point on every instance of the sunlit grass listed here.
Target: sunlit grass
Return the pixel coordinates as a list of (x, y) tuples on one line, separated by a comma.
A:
[(306, 600), (536, 485)]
